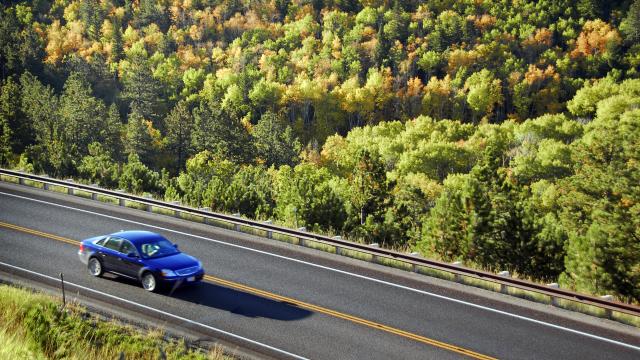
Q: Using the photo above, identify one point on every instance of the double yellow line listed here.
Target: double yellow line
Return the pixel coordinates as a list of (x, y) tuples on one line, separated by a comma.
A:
[(298, 303)]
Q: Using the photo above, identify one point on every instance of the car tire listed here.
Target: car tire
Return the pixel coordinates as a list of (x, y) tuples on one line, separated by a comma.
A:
[(149, 282), (95, 267)]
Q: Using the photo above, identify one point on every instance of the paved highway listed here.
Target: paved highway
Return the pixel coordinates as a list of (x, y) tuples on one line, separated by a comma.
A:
[(304, 302)]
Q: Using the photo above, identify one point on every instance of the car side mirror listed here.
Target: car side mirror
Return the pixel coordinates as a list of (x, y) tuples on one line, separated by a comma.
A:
[(175, 246)]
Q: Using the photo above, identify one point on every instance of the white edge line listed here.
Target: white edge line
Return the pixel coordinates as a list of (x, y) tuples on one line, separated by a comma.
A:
[(539, 322), (160, 312)]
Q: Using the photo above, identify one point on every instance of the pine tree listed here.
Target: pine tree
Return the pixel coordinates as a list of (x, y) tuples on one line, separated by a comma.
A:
[(142, 90), (5, 141), (138, 137), (180, 126), (117, 43), (221, 133), (83, 116), (275, 142), (631, 24)]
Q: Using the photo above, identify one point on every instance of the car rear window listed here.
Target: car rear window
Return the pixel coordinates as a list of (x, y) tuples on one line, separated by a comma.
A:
[(101, 241), (113, 244)]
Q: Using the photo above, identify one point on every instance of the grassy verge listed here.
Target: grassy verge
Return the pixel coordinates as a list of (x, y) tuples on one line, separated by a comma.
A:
[(33, 326)]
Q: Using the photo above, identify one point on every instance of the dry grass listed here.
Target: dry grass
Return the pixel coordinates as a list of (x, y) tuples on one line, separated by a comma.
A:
[(33, 326)]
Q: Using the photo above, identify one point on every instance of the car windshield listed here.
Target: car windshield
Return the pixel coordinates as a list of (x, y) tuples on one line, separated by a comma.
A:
[(158, 248)]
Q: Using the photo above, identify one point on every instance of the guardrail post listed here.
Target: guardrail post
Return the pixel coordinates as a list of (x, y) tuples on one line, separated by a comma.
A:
[(301, 241), (374, 257), (149, 207), (607, 312), (338, 250), (70, 189), (204, 218), (94, 196), (176, 213), (458, 277), (45, 186), (269, 232), (504, 288), (554, 300), (414, 267), (236, 227), (120, 200), (21, 181)]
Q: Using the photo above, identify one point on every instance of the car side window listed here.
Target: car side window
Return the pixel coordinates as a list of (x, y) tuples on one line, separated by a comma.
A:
[(128, 248), (113, 244), (101, 241)]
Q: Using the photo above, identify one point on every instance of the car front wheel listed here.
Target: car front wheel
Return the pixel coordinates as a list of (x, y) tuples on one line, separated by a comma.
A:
[(95, 267), (149, 282)]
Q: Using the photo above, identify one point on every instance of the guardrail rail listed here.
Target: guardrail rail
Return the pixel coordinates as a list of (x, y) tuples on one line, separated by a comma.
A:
[(551, 293)]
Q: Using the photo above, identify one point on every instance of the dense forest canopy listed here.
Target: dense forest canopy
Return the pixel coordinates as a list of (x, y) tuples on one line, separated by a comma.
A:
[(505, 134)]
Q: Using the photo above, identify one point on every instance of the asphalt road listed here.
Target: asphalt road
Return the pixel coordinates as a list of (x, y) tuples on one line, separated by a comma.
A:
[(350, 310)]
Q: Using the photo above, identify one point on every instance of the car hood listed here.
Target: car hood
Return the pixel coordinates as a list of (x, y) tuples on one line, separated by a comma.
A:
[(172, 262)]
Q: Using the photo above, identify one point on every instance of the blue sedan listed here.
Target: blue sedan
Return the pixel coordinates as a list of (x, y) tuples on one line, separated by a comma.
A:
[(142, 255)]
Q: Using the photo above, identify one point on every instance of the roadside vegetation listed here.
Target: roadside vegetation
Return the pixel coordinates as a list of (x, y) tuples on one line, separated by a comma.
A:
[(34, 326), (503, 134)]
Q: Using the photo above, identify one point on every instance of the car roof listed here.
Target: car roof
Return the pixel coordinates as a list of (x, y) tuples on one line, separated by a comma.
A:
[(138, 236)]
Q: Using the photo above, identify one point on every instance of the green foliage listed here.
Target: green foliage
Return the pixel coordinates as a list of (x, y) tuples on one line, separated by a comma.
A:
[(498, 133), (98, 166), (448, 231), (631, 24), (275, 142), (485, 92), (137, 177), (82, 117), (600, 205), (179, 124), (304, 197), (221, 132), (141, 90), (141, 137), (20, 46)]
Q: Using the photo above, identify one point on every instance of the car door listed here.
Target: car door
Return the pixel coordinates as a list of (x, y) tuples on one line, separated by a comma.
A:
[(130, 261), (109, 254)]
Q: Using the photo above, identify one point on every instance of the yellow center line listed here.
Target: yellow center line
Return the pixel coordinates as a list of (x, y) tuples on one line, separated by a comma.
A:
[(295, 302)]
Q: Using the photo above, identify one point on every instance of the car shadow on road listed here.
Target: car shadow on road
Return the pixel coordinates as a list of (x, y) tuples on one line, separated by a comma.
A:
[(239, 302), (231, 300)]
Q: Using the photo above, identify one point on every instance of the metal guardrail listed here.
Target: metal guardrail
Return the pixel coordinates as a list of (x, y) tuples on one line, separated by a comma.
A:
[(339, 245)]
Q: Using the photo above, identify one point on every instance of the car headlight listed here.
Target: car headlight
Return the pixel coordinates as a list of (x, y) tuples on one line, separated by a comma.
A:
[(167, 272)]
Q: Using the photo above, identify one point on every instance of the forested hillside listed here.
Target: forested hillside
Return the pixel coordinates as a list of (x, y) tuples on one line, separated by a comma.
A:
[(505, 134)]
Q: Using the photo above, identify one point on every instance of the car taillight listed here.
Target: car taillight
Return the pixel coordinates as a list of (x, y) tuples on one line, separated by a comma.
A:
[(81, 247)]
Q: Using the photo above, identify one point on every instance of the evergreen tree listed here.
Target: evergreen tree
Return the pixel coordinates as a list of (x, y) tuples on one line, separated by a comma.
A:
[(136, 177), (600, 206), (221, 133), (83, 116), (179, 125), (40, 106), (117, 43), (139, 140), (99, 167), (141, 90), (17, 133), (631, 24), (5, 141), (447, 231), (275, 142)]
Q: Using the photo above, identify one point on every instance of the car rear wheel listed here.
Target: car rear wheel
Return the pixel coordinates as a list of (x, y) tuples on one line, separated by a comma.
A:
[(149, 282), (95, 267)]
